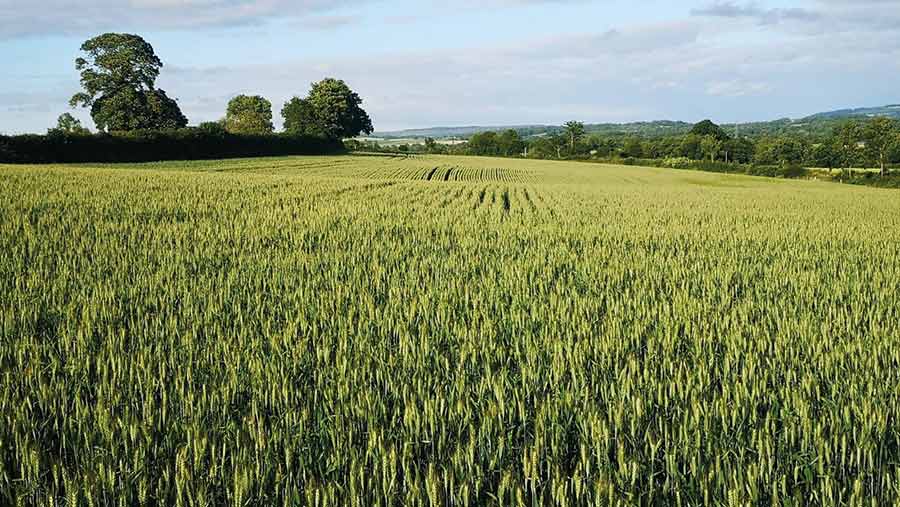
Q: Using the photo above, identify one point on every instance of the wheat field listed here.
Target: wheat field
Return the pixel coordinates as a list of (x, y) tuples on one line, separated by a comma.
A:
[(382, 331)]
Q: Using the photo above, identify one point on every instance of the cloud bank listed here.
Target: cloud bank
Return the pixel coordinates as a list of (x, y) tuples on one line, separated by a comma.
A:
[(18, 18), (726, 60)]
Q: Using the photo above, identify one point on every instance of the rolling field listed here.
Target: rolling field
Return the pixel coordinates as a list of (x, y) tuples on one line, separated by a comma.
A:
[(445, 331)]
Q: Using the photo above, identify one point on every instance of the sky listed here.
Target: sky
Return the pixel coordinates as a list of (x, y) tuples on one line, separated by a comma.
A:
[(474, 62)]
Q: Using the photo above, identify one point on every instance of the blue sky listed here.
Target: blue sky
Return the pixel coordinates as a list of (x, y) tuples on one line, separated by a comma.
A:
[(485, 62)]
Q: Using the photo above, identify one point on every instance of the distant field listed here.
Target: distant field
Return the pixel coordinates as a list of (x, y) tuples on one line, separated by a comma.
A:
[(393, 142), (445, 331)]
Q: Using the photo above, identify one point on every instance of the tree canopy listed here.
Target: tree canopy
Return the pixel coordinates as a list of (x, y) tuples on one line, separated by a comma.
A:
[(574, 132), (118, 77), (128, 109), (880, 136), (708, 128), (68, 124), (249, 115), (331, 110), (300, 118), (505, 144)]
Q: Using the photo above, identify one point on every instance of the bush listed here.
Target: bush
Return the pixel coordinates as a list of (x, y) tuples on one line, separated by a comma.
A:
[(791, 171), (151, 146), (216, 128), (762, 170), (702, 165), (677, 163), (5, 153), (715, 166)]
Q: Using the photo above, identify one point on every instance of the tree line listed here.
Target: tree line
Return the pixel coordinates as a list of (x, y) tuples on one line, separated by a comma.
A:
[(871, 143), (118, 77), (136, 120)]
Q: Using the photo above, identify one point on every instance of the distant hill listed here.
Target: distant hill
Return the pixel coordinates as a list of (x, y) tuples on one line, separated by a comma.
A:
[(642, 128), (813, 125), (636, 128), (462, 132), (891, 111)]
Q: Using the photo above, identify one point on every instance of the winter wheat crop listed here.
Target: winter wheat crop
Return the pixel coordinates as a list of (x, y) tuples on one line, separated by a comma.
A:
[(445, 331)]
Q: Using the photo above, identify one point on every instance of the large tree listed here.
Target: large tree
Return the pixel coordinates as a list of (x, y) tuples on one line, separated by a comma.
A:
[(118, 75), (880, 135), (128, 109), (708, 128), (824, 155), (633, 148), (691, 147), (711, 147), (484, 143), (782, 150), (300, 118), (846, 140), (249, 115), (331, 110), (574, 132), (510, 143)]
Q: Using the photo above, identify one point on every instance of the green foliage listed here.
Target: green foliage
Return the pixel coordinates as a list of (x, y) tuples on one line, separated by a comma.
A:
[(249, 115), (739, 150), (208, 142), (118, 75), (779, 151), (331, 110), (68, 124), (711, 147), (115, 60), (546, 147), (574, 131), (510, 144), (825, 155), (775, 156), (213, 127), (880, 135), (677, 163), (894, 150), (484, 143), (423, 331), (708, 128), (791, 171), (812, 128), (128, 110), (847, 138), (431, 146), (300, 118), (691, 146), (505, 144), (633, 147)]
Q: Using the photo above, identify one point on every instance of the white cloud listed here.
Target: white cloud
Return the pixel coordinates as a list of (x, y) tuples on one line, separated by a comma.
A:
[(18, 18), (706, 65)]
